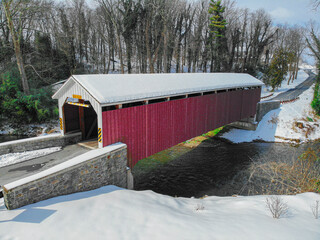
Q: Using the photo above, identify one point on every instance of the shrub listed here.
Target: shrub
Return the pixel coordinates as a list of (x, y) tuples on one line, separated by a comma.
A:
[(315, 104), (276, 206), (316, 209), (199, 207), (21, 108), (286, 176)]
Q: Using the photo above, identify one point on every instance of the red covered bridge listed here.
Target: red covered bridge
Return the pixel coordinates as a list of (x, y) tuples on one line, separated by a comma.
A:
[(152, 112)]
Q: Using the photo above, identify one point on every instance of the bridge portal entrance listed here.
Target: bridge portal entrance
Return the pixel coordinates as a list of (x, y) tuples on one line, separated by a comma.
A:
[(80, 116)]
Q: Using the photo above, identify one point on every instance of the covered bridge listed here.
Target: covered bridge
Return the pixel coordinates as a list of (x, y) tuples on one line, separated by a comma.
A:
[(152, 112)]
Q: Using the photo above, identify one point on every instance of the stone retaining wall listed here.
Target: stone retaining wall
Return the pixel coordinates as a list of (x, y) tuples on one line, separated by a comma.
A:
[(97, 168), (264, 107), (35, 143), (246, 124)]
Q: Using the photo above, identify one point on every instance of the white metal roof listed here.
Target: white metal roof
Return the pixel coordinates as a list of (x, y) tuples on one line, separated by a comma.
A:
[(119, 88)]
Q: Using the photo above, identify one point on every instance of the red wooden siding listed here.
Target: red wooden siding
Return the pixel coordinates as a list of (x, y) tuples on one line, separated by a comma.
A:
[(152, 128)]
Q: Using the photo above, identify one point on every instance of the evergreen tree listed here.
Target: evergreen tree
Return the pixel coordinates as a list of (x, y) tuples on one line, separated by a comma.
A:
[(278, 68), (129, 22), (219, 48)]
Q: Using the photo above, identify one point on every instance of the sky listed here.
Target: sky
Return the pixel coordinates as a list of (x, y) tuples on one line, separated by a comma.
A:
[(285, 11), (282, 11), (291, 12)]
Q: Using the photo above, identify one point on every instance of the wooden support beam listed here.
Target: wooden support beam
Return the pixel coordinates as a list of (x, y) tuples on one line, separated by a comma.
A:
[(81, 120), (63, 120), (91, 128)]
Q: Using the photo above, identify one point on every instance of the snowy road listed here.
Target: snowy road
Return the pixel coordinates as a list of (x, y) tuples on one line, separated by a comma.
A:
[(297, 91), (14, 172)]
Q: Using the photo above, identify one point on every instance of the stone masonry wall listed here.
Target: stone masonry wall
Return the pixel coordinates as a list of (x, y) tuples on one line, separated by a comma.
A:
[(264, 107), (36, 143), (107, 169)]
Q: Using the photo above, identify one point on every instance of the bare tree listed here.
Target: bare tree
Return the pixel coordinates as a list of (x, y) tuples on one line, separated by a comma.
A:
[(316, 4), (276, 206), (316, 209), (16, 10), (146, 36), (314, 44)]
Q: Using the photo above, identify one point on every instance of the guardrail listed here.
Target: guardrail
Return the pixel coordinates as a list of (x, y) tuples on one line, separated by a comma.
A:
[(270, 95), (289, 101), (35, 143)]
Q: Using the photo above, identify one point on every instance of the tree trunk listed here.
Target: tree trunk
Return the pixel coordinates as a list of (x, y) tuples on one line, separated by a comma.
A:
[(151, 67), (16, 44), (120, 51), (24, 80), (291, 72)]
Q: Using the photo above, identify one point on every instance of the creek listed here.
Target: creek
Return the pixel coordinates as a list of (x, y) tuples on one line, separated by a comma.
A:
[(215, 167)]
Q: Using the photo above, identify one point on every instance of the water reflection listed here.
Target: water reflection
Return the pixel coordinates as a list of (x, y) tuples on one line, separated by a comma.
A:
[(213, 168)]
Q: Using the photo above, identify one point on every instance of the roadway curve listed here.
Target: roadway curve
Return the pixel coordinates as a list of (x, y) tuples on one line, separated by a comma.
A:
[(298, 90), (24, 169)]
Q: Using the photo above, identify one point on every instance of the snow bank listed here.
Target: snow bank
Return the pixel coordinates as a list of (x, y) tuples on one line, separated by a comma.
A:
[(54, 135), (12, 158), (280, 125), (114, 213), (266, 91)]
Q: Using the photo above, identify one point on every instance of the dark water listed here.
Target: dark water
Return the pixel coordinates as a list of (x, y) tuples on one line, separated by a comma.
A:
[(7, 138), (213, 168)]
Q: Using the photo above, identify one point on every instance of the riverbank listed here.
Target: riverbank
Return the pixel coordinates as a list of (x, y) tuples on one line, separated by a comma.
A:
[(28, 130), (294, 122)]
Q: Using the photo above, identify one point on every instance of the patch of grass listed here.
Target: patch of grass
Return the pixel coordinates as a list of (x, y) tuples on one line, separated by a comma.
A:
[(194, 142), (160, 158), (165, 156), (214, 132), (309, 119)]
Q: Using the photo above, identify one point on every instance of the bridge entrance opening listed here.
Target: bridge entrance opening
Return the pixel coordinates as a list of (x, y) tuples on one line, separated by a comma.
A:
[(80, 116)]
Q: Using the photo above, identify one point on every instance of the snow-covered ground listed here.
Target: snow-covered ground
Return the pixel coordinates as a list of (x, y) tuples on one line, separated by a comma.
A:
[(114, 213), (12, 158), (266, 91), (306, 66), (295, 122)]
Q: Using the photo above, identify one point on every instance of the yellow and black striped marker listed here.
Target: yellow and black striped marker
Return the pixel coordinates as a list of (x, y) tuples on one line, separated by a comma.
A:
[(99, 135), (79, 104), (61, 124)]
